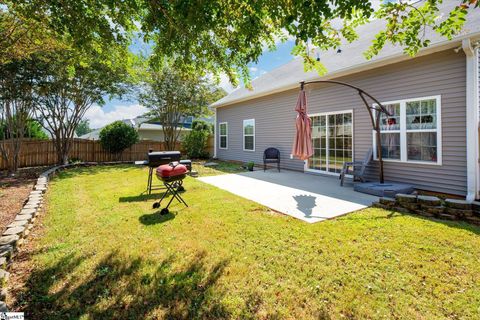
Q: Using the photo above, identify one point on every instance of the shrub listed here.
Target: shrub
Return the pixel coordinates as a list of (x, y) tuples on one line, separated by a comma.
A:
[(32, 130), (118, 136), (195, 143), (201, 125), (35, 131)]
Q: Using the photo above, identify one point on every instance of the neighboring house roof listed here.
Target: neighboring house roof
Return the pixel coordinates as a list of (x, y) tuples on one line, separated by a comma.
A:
[(50, 136), (155, 126), (350, 60), (95, 134)]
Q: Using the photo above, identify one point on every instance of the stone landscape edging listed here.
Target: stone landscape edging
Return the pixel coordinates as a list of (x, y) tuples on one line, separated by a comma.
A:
[(20, 228), (433, 207)]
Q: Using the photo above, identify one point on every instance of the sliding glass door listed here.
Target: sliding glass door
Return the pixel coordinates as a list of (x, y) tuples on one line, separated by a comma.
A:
[(332, 141)]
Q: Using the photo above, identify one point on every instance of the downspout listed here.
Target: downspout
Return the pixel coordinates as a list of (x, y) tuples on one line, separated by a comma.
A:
[(472, 111), (215, 135)]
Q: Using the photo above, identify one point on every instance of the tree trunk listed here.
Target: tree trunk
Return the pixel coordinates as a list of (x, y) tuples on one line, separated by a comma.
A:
[(62, 151)]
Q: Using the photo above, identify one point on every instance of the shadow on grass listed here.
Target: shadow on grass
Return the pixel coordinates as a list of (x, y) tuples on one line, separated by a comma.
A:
[(89, 170), (120, 287), (155, 218), (141, 197)]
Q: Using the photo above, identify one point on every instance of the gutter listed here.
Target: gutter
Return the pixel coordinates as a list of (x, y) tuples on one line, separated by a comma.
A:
[(368, 65), (215, 135), (472, 122)]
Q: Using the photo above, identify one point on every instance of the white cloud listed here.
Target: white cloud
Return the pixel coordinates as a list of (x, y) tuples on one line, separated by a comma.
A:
[(99, 117), (256, 72)]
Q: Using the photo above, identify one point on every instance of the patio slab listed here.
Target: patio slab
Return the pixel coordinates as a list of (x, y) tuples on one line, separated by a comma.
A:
[(311, 198)]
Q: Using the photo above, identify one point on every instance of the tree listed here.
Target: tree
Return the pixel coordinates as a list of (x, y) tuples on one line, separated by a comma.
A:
[(172, 96), (71, 82), (118, 136), (16, 107), (224, 36), (87, 24), (35, 130), (201, 125), (21, 36), (196, 141), (83, 127), (32, 130)]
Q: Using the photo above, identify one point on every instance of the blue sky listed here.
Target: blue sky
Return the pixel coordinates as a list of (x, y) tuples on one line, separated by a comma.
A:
[(271, 60), (123, 109)]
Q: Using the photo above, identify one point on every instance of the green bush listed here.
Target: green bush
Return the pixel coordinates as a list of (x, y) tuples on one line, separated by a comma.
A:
[(201, 125), (117, 137), (195, 143), (33, 130)]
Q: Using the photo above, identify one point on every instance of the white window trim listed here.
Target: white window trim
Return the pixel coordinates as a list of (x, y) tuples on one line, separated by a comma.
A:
[(305, 162), (253, 135), (220, 135), (403, 132)]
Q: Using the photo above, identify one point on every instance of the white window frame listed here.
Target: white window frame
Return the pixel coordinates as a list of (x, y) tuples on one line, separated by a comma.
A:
[(220, 135), (305, 162), (403, 131), (249, 135)]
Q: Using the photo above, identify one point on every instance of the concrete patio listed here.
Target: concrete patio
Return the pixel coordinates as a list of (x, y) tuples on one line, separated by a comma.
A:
[(308, 197)]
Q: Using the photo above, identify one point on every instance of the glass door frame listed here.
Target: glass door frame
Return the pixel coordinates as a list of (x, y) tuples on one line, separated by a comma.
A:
[(326, 114)]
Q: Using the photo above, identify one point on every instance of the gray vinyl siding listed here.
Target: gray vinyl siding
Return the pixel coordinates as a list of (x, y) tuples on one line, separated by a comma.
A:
[(441, 74)]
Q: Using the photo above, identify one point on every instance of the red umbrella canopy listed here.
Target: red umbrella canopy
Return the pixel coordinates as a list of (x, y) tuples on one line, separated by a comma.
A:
[(302, 145)]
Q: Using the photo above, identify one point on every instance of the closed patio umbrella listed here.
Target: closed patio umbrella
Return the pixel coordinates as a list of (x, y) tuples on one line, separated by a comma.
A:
[(302, 146)]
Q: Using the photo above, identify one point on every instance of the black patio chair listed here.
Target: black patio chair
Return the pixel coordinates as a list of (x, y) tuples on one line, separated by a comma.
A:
[(271, 155)]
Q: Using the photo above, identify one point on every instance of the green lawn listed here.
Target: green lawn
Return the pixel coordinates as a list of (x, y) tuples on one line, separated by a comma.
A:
[(105, 253)]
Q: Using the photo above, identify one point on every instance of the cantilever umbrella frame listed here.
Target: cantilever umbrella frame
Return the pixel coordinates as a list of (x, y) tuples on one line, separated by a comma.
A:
[(375, 119)]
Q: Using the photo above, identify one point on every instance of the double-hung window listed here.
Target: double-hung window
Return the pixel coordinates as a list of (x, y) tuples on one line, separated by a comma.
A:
[(412, 132), (391, 132), (223, 135), (249, 135)]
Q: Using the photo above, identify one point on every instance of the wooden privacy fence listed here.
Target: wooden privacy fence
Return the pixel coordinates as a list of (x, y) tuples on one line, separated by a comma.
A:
[(42, 152)]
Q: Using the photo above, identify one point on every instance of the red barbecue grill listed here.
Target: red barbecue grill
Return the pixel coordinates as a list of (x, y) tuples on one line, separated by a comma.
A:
[(156, 159), (172, 176)]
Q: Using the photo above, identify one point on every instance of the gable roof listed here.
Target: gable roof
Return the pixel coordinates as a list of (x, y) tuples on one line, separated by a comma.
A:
[(350, 60)]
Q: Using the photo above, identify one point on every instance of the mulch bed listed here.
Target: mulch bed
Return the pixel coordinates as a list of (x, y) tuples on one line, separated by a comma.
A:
[(14, 191)]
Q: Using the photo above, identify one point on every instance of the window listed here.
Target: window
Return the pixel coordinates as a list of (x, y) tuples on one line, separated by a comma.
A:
[(390, 132), (223, 133), (412, 133), (249, 135), (332, 141)]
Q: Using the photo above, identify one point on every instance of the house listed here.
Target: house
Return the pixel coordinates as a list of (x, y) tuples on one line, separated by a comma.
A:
[(431, 141), (146, 130)]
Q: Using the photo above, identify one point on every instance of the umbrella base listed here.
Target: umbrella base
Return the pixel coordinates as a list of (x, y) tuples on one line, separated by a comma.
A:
[(387, 189)]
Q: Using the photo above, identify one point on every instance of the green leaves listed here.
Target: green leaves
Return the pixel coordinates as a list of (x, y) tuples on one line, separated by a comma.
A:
[(454, 23), (406, 24), (118, 136), (225, 36), (171, 95), (195, 144)]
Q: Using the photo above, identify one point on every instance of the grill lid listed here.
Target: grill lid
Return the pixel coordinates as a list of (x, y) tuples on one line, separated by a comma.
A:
[(162, 157), (166, 170)]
